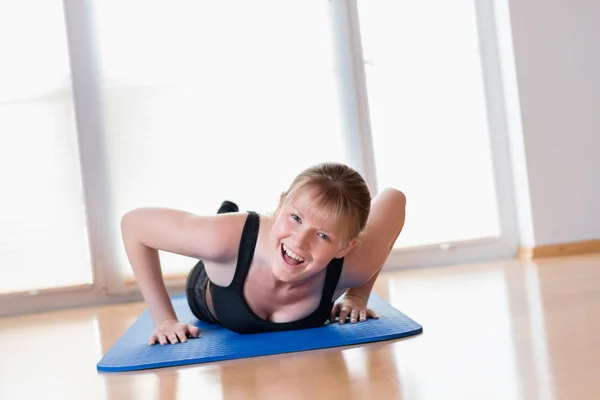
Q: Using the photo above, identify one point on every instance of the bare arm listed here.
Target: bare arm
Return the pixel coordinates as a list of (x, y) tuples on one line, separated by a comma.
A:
[(365, 261), (363, 291), (386, 221), (145, 231)]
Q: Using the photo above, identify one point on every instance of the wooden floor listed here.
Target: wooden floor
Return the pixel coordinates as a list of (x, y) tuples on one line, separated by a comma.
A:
[(504, 330)]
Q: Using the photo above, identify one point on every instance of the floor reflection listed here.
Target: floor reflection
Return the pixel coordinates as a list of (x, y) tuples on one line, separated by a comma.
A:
[(569, 294), (506, 330), (467, 328)]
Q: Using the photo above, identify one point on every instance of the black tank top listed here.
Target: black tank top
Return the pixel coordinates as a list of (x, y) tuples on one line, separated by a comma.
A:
[(234, 313)]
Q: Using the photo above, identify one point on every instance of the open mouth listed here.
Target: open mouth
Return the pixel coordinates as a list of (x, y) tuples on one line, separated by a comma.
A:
[(290, 257)]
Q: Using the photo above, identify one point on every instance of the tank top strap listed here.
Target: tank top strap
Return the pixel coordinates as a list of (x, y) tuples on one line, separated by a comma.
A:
[(247, 247), (334, 271)]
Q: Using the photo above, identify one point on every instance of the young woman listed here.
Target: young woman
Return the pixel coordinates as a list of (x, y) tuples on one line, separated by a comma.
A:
[(261, 273)]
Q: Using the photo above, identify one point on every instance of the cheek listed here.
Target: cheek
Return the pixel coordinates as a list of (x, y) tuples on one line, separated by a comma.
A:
[(280, 230), (324, 253), (284, 227)]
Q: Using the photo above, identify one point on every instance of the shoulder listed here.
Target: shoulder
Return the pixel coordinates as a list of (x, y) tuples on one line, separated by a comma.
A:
[(208, 237), (226, 232), (386, 220)]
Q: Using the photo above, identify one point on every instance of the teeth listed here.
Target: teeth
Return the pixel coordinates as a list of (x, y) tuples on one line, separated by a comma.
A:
[(292, 254)]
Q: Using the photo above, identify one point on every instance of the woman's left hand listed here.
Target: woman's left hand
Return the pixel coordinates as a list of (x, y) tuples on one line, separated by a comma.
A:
[(354, 307)]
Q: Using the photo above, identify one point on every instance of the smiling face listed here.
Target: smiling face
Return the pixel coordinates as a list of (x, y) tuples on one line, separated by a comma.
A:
[(305, 238)]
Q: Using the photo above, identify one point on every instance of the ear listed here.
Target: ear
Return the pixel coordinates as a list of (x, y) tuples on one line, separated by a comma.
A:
[(342, 253)]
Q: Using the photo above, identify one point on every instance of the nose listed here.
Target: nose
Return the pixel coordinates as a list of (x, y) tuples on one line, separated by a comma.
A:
[(301, 239)]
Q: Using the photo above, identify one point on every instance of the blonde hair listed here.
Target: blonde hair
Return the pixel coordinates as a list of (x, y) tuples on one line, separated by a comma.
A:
[(338, 193)]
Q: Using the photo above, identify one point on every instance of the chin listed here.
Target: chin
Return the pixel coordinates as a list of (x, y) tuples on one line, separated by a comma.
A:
[(283, 278), (285, 274)]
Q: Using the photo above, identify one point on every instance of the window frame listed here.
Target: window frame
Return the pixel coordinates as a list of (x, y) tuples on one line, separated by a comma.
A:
[(108, 285)]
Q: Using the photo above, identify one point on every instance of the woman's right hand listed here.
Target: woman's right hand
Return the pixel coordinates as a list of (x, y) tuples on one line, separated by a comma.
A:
[(173, 331)]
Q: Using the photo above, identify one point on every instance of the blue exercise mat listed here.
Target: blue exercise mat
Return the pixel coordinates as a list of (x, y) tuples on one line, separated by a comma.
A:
[(132, 352)]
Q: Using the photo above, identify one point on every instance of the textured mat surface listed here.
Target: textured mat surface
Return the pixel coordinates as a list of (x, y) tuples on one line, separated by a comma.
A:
[(132, 352)]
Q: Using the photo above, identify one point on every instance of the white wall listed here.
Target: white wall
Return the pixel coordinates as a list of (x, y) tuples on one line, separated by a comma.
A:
[(557, 60)]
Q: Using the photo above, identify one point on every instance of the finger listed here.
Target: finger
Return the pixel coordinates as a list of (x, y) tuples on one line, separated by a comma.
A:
[(194, 331), (343, 314), (372, 314), (182, 334), (162, 339), (362, 316), (353, 316), (334, 312), (173, 338), (153, 340)]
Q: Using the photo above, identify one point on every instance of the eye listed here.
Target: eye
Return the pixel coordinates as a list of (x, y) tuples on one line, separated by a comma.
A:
[(296, 218), (324, 236)]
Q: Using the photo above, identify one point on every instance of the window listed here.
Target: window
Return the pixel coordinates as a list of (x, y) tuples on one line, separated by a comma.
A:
[(43, 239), (429, 118), (186, 103), (214, 103)]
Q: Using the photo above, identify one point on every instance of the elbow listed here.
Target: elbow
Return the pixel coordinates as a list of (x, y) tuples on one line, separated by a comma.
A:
[(126, 220), (129, 221), (395, 197), (396, 204)]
